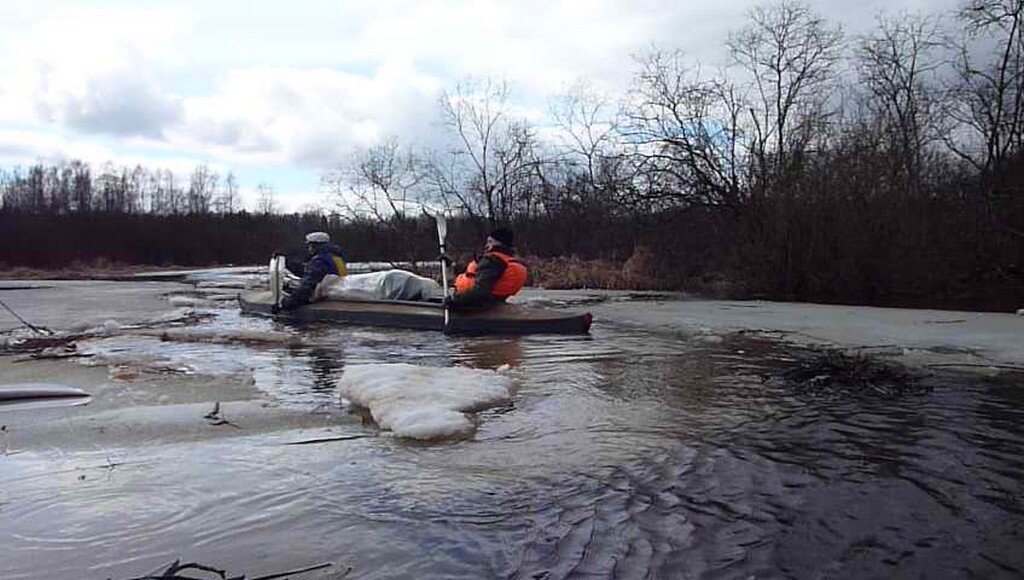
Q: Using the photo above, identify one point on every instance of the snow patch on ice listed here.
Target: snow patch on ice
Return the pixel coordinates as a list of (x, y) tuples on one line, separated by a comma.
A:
[(424, 402)]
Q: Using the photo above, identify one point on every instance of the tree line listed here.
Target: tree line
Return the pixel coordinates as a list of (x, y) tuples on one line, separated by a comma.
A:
[(883, 168), (924, 95), (74, 186)]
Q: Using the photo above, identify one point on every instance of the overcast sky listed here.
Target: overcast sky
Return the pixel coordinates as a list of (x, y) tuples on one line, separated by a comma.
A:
[(278, 91)]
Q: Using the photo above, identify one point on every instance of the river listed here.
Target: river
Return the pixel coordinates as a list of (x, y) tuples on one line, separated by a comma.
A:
[(637, 451)]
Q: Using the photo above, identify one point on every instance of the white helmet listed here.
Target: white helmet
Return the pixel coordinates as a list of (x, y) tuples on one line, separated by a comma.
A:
[(317, 238)]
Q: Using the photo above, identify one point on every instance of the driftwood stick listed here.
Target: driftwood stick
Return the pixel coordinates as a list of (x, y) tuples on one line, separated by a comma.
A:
[(978, 365), (173, 571), (327, 439), (29, 325), (300, 571)]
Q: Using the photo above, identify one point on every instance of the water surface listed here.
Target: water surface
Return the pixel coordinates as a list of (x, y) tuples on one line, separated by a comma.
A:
[(626, 454)]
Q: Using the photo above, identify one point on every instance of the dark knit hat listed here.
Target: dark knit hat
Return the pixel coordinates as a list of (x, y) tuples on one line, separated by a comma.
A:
[(505, 236)]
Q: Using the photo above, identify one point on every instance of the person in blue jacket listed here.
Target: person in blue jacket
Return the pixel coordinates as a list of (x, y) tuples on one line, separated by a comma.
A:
[(324, 258)]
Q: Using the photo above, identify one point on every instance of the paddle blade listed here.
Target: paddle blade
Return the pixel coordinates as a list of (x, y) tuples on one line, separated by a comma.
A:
[(276, 277), (442, 228)]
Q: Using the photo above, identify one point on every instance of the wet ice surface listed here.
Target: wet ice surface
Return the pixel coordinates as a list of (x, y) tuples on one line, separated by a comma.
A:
[(626, 453)]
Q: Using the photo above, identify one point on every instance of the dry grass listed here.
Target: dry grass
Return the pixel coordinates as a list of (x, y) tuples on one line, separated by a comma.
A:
[(99, 269), (573, 273), (642, 271)]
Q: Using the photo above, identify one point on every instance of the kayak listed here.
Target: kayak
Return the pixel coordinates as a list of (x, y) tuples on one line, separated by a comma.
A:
[(499, 319), (38, 391)]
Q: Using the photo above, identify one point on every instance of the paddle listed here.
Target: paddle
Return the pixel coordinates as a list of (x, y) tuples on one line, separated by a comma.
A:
[(442, 233), (275, 279)]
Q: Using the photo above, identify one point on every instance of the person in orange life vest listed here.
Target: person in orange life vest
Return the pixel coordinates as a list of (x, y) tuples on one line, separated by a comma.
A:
[(324, 259), (491, 279)]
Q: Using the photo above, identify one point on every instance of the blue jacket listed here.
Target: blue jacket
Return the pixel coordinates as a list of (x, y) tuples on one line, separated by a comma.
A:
[(326, 261)]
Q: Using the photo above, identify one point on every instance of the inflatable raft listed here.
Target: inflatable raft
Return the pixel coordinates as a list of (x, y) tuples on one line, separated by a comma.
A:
[(500, 319)]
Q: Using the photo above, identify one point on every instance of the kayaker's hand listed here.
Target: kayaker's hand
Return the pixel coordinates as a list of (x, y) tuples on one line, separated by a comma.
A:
[(445, 259), (275, 309), (448, 302)]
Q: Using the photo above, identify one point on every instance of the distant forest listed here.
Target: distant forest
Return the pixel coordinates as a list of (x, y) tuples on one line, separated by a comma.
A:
[(883, 169)]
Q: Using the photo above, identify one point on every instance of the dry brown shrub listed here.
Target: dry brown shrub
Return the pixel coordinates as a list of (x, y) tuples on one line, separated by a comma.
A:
[(640, 272), (641, 268), (571, 272), (100, 269)]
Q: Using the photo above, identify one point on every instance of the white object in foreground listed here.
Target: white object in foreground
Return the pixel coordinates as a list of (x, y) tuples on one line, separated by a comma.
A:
[(423, 402)]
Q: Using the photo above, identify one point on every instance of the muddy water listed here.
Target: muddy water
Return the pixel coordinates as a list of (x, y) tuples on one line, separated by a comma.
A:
[(625, 454)]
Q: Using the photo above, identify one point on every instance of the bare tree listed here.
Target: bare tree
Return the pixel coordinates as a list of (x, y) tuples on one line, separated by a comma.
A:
[(988, 99), (443, 175), (228, 199), (495, 153), (136, 188), (81, 186), (685, 130), (58, 186), (588, 124), (378, 181), (790, 54), (266, 202), (896, 63), (108, 186), (202, 184)]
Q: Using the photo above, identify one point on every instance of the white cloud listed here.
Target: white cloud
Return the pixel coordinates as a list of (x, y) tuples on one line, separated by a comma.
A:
[(18, 146), (94, 71), (309, 117)]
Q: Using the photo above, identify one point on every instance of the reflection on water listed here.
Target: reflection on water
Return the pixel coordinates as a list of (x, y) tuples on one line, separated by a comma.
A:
[(625, 454)]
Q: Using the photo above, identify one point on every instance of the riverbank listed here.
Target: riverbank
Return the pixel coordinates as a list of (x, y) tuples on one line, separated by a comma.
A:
[(639, 273), (99, 270)]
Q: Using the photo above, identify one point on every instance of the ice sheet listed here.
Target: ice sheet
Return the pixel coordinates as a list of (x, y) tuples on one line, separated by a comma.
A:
[(424, 402)]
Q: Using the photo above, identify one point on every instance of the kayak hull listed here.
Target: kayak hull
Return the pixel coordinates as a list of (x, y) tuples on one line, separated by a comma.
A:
[(500, 319), (38, 391)]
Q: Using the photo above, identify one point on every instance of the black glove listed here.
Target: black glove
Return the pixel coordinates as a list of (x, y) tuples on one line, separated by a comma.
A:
[(448, 302), (275, 309), (445, 259)]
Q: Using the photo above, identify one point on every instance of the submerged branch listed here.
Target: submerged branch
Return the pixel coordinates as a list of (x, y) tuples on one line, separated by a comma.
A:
[(174, 572)]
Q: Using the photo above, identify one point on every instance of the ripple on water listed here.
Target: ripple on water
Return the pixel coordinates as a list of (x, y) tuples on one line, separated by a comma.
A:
[(625, 454)]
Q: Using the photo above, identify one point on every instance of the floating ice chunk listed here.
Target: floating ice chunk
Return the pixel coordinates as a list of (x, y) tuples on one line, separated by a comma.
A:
[(111, 326), (423, 402), (183, 301), (1020, 312), (194, 302), (175, 315)]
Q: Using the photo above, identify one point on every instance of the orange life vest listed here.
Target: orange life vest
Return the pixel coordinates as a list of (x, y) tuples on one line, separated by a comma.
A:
[(511, 281)]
